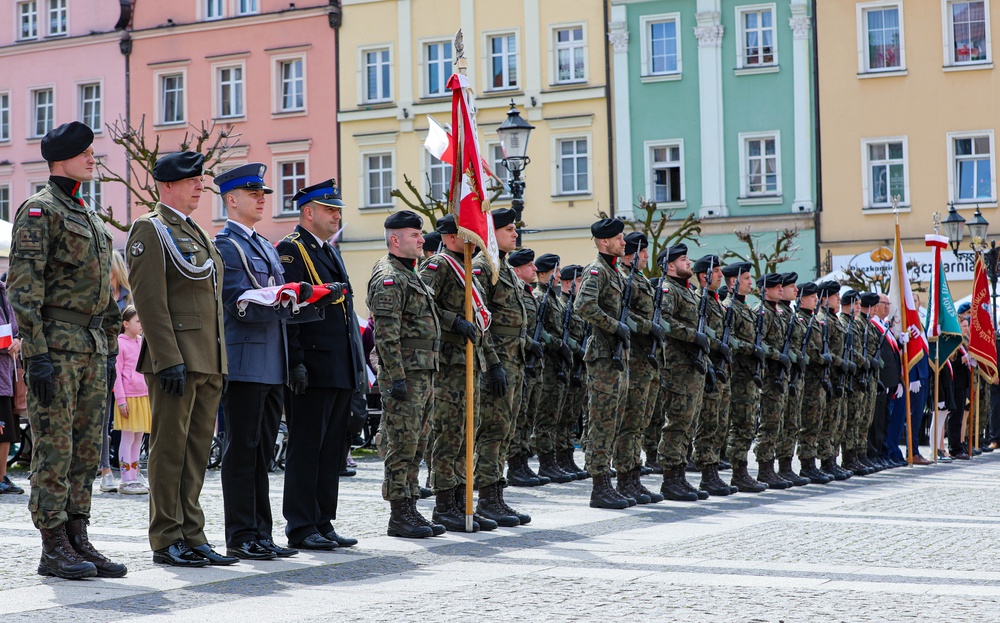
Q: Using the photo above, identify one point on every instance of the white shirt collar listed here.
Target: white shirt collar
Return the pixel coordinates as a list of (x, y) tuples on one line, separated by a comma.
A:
[(250, 231), (318, 239)]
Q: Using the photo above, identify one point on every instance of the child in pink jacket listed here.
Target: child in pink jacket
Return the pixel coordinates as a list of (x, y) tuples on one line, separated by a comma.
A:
[(132, 414)]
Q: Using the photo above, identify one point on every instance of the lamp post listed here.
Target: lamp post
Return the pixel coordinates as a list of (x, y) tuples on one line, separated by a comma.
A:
[(953, 228), (514, 133)]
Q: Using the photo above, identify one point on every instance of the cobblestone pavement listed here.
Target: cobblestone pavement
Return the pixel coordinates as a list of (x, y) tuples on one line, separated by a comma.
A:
[(902, 545)]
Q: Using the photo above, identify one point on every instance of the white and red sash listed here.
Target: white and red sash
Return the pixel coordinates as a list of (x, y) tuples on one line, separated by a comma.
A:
[(482, 314)]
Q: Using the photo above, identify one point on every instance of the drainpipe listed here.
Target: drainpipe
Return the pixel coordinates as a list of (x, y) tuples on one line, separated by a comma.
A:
[(819, 152), (607, 101), (336, 17)]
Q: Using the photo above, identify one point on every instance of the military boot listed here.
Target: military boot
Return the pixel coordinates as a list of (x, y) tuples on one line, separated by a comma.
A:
[(446, 513), (852, 463), (829, 465), (720, 482), (490, 507), (402, 524), (841, 467), (743, 481), (522, 518), (672, 489), (550, 468), (637, 482), (786, 472), (626, 488), (76, 532), (767, 475), (517, 474), (711, 484), (436, 528), (682, 481), (814, 475), (651, 463), (567, 461), (60, 560), (486, 525), (530, 472), (870, 463), (603, 495)]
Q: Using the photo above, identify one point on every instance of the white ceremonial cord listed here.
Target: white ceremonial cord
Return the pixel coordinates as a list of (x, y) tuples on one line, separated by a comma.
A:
[(183, 266)]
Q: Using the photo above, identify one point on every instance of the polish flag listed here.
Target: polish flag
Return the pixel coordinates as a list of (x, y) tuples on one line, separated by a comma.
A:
[(438, 144), (6, 336)]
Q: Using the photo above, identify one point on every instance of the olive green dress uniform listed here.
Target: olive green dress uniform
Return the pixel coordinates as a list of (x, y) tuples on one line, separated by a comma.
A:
[(773, 394), (791, 416), (182, 323), (59, 285), (745, 399), (713, 418)]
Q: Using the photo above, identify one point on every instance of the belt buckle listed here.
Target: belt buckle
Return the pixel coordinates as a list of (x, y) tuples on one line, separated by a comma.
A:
[(95, 322)]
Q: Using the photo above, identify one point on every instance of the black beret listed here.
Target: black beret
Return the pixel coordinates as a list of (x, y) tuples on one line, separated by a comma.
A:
[(520, 257), (828, 288), (788, 279), (547, 262), (769, 280), (723, 293), (249, 176), (503, 217), (607, 228), (179, 165), (869, 298), (570, 272), (67, 141), (432, 241), (325, 193), (446, 225), (848, 298), (635, 241), (671, 253), (735, 270), (703, 263), (404, 219), (807, 288)]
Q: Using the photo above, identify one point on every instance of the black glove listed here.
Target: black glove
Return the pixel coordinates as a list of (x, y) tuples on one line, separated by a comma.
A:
[(40, 372), (701, 340), (466, 329), (305, 291), (726, 352), (172, 380), (298, 379), (337, 292), (758, 353), (866, 363), (657, 333), (827, 359), (398, 389), (495, 380), (535, 349), (845, 366), (566, 353), (622, 332), (854, 368), (225, 383), (112, 372), (784, 361)]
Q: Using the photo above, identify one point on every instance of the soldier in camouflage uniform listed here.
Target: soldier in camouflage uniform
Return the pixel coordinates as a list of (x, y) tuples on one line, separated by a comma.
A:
[(643, 375), (407, 337), (744, 379), (775, 389), (814, 385), (577, 391), (443, 273), (784, 449), (834, 414), (855, 398), (59, 286), (856, 433), (503, 381), (872, 371)]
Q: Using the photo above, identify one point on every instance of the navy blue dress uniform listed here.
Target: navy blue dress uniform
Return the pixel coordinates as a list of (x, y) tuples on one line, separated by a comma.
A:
[(257, 346), (330, 352)]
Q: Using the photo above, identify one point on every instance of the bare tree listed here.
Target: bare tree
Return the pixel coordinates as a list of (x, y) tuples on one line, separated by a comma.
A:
[(766, 258), (662, 229), (431, 207)]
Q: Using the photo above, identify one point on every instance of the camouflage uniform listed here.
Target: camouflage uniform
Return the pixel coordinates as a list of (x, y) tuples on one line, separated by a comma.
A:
[(866, 337), (407, 336), (577, 393), (59, 286), (599, 303), (856, 399), (773, 394), (790, 421), (713, 418), (524, 425), (813, 394), (829, 439), (548, 411), (745, 393)]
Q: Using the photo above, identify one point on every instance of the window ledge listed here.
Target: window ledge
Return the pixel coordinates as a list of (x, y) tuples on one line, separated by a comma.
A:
[(568, 83), (172, 124), (882, 74), (752, 71), (970, 204), (969, 66), (661, 77), (903, 208), (573, 196), (282, 114), (672, 205), (377, 103), (238, 119), (431, 99), (504, 92), (760, 201), (377, 208), (285, 216)]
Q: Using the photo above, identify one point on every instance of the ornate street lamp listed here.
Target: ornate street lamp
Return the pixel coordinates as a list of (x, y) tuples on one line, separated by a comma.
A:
[(953, 228), (977, 230), (514, 133)]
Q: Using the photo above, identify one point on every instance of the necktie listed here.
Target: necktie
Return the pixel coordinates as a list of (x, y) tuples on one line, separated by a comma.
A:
[(198, 231)]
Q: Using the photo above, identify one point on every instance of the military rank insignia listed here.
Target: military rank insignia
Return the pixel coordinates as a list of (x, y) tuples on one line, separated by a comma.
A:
[(136, 249)]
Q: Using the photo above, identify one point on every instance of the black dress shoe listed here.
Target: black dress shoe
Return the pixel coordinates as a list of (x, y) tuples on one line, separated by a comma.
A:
[(277, 550), (314, 542), (178, 554), (341, 541), (347, 472), (213, 557), (251, 550)]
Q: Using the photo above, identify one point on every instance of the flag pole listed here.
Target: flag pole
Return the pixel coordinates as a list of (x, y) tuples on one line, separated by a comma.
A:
[(973, 401), (902, 323)]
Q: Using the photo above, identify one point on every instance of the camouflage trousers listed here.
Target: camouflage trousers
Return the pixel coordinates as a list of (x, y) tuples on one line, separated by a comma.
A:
[(772, 408), (67, 439), (549, 413), (713, 425), (526, 416), (496, 425), (403, 424), (832, 431), (574, 414), (856, 437), (654, 421), (643, 387), (743, 413), (685, 390), (790, 422), (813, 406), (608, 392), (448, 447)]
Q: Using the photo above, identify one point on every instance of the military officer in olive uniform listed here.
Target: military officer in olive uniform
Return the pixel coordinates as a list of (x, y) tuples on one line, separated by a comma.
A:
[(407, 337), (176, 276), (814, 387), (59, 287), (784, 449)]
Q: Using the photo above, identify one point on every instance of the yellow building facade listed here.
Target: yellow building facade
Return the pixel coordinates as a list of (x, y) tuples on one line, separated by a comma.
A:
[(908, 96), (548, 56)]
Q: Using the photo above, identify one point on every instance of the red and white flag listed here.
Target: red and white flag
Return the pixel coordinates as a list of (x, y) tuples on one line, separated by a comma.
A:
[(6, 336), (438, 144), (468, 181), (905, 319), (982, 335)]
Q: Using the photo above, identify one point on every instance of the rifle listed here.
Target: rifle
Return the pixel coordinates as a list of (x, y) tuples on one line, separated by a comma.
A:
[(529, 366), (825, 381), (864, 353), (845, 361), (727, 329), (699, 361), (567, 320), (801, 369), (577, 379), (657, 314), (785, 349), (616, 361), (758, 344)]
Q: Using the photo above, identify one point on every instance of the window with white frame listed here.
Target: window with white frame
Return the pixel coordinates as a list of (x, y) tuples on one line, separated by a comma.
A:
[(573, 165), (571, 55), (760, 165), (661, 52), (27, 15), (246, 7), (58, 16), (230, 91), (4, 116), (213, 9), (439, 176), (968, 32), (665, 172), (972, 167), (496, 155), (90, 105), (882, 31), (5, 202), (291, 85), (758, 39), (43, 110), (172, 98), (502, 54), (377, 87), (378, 179), (885, 172), (438, 60), (91, 193), (291, 177)]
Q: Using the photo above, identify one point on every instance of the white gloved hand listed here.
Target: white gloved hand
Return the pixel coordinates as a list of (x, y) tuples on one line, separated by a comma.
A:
[(940, 405), (914, 387), (904, 337), (899, 391)]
